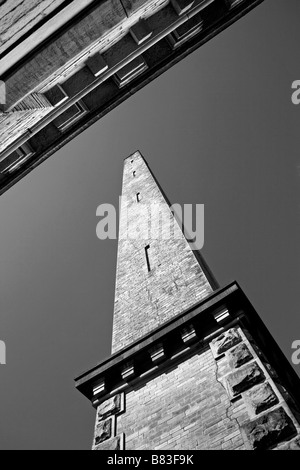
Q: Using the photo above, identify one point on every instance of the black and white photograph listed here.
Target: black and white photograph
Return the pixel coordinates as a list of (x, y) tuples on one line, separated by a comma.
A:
[(149, 227)]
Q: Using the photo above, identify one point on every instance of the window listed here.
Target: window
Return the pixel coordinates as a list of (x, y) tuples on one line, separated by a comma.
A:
[(16, 159), (130, 71), (133, 173), (186, 31), (147, 248), (70, 116), (138, 197)]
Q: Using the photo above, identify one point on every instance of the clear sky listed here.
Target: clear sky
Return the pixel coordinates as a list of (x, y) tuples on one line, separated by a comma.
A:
[(217, 129)]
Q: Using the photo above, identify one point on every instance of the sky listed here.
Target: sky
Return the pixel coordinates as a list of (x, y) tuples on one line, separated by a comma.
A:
[(218, 129)]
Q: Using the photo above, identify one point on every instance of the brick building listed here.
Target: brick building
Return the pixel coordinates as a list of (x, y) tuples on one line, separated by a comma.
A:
[(192, 365), (64, 64)]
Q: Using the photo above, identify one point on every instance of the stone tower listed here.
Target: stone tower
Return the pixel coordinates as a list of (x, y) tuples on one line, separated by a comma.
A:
[(192, 364)]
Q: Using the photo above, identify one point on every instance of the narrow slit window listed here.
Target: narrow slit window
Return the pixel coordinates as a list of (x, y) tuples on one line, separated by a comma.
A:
[(138, 197), (133, 173), (147, 257)]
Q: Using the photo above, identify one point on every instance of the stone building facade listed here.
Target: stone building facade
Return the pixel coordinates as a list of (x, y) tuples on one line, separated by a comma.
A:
[(64, 64), (192, 365)]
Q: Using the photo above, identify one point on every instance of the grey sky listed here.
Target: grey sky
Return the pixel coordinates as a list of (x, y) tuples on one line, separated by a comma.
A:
[(220, 129)]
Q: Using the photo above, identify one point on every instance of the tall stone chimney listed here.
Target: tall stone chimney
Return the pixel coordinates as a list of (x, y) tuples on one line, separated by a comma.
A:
[(192, 365)]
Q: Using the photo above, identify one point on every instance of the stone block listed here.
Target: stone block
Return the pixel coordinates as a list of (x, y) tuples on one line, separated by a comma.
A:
[(113, 405), (239, 356), (270, 429), (294, 444), (97, 64), (260, 398), (104, 430), (182, 6), (115, 443), (244, 378), (225, 341), (135, 7), (140, 32)]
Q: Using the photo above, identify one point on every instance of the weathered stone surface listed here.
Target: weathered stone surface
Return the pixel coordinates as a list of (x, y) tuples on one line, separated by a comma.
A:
[(292, 444), (260, 398), (17, 17), (103, 431), (225, 341), (109, 407), (115, 443), (270, 429), (133, 6), (14, 124), (101, 24), (239, 356), (245, 378)]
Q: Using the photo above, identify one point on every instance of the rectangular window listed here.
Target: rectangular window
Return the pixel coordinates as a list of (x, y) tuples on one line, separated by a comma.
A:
[(70, 116), (130, 71), (133, 173), (16, 159), (138, 197), (186, 31)]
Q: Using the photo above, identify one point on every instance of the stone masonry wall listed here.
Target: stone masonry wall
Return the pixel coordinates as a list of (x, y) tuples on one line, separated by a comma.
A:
[(18, 16), (95, 32), (146, 299), (14, 123), (224, 397)]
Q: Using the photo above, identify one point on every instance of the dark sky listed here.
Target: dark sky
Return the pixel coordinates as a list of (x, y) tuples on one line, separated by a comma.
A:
[(217, 129)]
